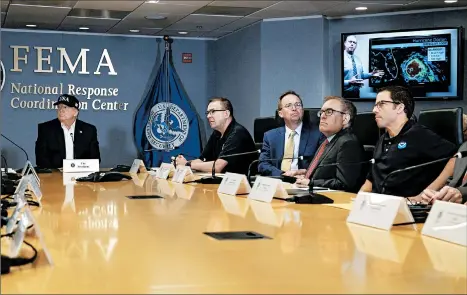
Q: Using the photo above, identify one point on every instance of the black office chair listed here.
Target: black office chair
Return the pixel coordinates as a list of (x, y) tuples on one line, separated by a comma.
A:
[(447, 123), (260, 126), (367, 131)]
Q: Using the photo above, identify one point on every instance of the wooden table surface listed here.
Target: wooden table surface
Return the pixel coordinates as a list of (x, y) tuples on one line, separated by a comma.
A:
[(103, 242)]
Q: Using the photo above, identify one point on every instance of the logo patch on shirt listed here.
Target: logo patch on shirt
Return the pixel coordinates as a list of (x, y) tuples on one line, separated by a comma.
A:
[(402, 145)]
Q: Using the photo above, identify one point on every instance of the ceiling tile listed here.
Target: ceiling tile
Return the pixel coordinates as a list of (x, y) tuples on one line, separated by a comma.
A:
[(92, 29), (109, 5), (238, 24), (176, 34), (150, 8), (55, 3), (49, 16), (142, 31), (224, 10), (190, 3), (133, 21), (95, 13), (207, 23), (258, 4), (71, 21)]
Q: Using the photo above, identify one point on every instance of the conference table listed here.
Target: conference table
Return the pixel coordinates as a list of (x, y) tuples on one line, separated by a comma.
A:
[(101, 241)]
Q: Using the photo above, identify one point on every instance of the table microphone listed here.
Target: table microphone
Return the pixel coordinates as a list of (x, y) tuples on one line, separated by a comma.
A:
[(217, 180), (270, 159), (458, 155), (315, 198), (27, 157)]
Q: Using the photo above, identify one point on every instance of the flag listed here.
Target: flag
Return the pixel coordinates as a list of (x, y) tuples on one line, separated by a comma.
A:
[(166, 121)]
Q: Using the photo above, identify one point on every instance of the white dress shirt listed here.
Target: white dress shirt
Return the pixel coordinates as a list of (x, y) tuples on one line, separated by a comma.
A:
[(296, 144), (69, 139)]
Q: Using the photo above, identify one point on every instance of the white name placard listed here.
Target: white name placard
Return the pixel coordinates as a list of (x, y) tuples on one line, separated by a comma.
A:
[(138, 165), (447, 221), (265, 189), (165, 170), (80, 165), (233, 184), (29, 169), (379, 211), (182, 173), (33, 186)]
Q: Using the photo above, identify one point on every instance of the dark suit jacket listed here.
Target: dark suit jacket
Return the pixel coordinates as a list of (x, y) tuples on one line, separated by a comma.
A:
[(273, 148), (459, 171), (343, 148), (50, 143)]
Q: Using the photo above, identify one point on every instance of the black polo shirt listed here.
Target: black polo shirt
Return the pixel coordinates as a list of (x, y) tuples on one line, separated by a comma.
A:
[(236, 139), (415, 144)]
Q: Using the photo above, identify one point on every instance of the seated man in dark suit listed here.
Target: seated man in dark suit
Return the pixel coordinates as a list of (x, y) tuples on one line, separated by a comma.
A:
[(65, 137), (290, 141), (341, 146)]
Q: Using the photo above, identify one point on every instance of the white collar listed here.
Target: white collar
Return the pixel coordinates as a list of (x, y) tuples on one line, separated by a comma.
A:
[(298, 130), (72, 127)]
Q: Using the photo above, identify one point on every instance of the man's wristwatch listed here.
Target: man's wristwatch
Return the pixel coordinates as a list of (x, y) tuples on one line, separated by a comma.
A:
[(188, 163)]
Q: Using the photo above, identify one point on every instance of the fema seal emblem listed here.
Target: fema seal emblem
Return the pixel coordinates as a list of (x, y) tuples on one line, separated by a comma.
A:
[(167, 127), (2, 75)]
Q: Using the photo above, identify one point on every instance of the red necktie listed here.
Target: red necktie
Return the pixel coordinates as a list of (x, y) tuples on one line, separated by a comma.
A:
[(315, 161)]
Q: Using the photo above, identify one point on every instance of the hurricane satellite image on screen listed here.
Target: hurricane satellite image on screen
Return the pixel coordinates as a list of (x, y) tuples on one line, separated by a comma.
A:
[(411, 60)]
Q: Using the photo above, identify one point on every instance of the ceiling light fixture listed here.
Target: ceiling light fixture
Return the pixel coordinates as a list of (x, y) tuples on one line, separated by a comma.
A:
[(31, 26), (134, 31), (361, 8), (183, 33), (83, 28), (153, 1), (450, 1)]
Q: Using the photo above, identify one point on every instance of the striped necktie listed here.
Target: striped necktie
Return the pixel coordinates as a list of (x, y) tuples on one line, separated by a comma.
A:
[(354, 66), (315, 161)]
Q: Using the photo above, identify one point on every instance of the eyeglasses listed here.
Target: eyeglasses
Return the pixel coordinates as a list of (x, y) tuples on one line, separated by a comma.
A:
[(328, 112), (381, 103), (297, 105), (211, 112)]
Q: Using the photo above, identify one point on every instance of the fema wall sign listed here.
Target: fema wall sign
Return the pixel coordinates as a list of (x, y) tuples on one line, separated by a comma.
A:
[(2, 76)]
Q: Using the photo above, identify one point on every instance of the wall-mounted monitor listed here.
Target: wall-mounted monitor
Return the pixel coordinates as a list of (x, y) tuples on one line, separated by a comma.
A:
[(429, 62)]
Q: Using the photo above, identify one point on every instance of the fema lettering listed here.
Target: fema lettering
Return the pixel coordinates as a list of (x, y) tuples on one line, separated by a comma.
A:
[(167, 127)]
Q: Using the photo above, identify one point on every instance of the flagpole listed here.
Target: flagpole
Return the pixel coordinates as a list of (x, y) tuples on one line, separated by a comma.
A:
[(168, 48)]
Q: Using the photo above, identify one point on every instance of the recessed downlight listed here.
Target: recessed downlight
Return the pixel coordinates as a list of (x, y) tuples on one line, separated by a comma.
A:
[(31, 26), (153, 1), (134, 31), (450, 1), (361, 8), (83, 28), (183, 33)]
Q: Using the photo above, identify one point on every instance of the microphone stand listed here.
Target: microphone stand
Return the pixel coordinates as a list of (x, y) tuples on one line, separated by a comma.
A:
[(216, 179), (315, 198)]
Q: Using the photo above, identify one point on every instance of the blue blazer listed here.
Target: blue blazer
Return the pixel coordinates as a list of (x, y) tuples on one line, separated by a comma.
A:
[(273, 148)]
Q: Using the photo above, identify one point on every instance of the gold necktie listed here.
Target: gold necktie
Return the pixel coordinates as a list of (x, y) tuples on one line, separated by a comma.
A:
[(288, 153)]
